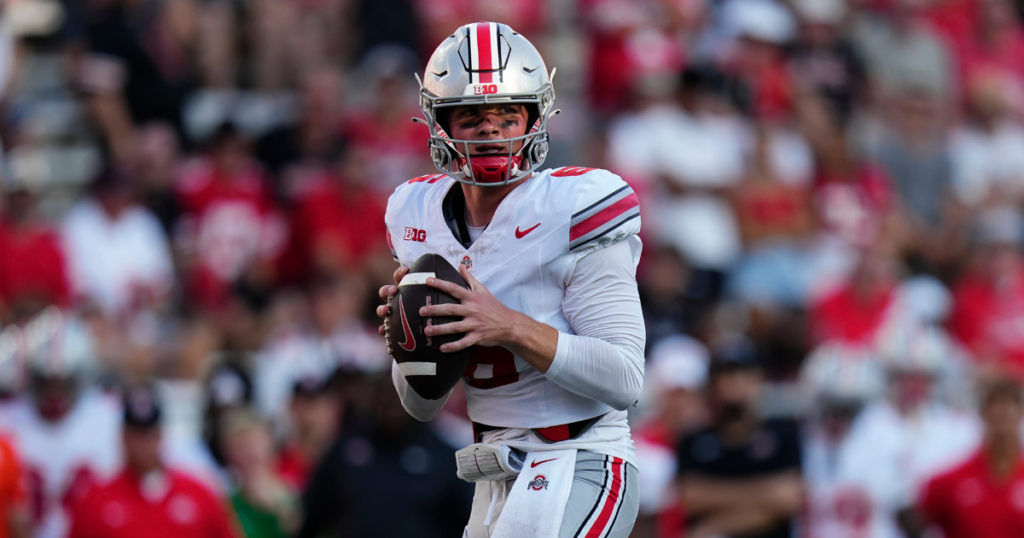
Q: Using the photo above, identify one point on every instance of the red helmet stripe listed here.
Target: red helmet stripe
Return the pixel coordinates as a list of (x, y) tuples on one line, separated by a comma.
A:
[(483, 48)]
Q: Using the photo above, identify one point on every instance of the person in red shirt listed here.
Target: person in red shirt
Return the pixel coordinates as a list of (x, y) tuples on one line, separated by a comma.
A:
[(988, 301), (147, 498), (984, 496), (33, 271), (14, 511), (231, 228), (860, 308), (315, 412), (338, 220)]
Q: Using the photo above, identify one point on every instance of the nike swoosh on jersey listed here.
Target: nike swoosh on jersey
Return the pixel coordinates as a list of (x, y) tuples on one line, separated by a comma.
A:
[(536, 463), (522, 234), (410, 343)]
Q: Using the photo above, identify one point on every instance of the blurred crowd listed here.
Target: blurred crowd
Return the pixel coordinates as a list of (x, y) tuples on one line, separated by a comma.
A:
[(191, 238)]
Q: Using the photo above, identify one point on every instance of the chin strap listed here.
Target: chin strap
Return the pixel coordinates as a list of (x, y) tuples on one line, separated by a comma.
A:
[(492, 168)]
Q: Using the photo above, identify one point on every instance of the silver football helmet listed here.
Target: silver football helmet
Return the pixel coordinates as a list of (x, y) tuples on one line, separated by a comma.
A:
[(484, 63), (60, 353)]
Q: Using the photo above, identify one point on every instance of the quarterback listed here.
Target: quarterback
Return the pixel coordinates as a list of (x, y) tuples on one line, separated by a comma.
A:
[(552, 307)]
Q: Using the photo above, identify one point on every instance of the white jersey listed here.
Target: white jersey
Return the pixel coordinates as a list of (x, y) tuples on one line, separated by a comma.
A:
[(525, 258), (936, 438), (855, 487), (63, 459)]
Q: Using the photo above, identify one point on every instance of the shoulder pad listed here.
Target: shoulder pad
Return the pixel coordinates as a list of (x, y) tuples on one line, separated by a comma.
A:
[(607, 210)]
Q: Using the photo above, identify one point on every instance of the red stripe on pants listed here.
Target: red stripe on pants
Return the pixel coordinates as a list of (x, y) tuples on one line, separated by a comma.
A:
[(614, 491)]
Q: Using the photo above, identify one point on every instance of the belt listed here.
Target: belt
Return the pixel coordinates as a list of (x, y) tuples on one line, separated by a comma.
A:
[(551, 434)]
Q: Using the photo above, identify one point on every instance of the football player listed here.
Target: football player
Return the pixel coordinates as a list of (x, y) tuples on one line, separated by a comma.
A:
[(855, 479), (552, 309), (67, 433)]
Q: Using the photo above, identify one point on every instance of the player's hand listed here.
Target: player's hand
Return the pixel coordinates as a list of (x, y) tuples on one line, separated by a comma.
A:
[(485, 320), (388, 291)]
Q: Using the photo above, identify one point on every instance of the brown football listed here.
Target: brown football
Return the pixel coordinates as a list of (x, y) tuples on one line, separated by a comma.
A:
[(429, 372)]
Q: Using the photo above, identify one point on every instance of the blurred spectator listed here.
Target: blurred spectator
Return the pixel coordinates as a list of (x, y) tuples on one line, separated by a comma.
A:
[(228, 387), (264, 503), (230, 228), (118, 254), (856, 484), (933, 435), (14, 513), (770, 209), (384, 23), (125, 84), (294, 152), (692, 149), (862, 307), (987, 148), (741, 475), (988, 300), (775, 223), (762, 30), (393, 147), (912, 148), (156, 169), (339, 219), (901, 49), (148, 498), (332, 338), (852, 197), (353, 492), (629, 41), (438, 18), (980, 498), (994, 48), (824, 59), (315, 415), (33, 271), (66, 430), (677, 370), (667, 296)]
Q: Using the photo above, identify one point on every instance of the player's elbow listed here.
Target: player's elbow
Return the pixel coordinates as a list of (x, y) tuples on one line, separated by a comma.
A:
[(630, 391)]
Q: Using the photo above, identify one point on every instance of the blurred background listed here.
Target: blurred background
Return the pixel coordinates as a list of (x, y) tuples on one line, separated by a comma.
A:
[(192, 236)]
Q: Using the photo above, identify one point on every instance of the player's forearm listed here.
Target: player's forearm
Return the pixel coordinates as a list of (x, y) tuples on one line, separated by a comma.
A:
[(779, 494), (597, 369), (739, 521), (535, 342)]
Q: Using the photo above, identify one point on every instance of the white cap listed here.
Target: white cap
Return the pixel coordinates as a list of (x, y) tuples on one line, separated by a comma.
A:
[(763, 20), (678, 362), (917, 349), (830, 12), (843, 371)]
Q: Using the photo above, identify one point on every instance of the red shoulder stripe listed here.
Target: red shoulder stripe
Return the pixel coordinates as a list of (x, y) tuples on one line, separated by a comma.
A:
[(602, 217)]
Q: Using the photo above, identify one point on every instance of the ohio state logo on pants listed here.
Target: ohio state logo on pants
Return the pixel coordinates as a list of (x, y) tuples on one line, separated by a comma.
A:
[(538, 483)]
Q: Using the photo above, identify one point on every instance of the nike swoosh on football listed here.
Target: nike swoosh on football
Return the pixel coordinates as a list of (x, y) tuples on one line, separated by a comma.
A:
[(410, 343), (536, 463), (520, 235)]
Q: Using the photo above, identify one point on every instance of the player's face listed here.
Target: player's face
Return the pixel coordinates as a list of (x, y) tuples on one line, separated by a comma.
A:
[(1002, 417), (734, 392), (142, 448), (54, 396), (488, 122)]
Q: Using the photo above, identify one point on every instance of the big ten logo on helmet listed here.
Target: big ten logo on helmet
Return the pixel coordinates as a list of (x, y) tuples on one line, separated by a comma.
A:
[(485, 89), (415, 234)]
